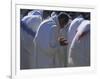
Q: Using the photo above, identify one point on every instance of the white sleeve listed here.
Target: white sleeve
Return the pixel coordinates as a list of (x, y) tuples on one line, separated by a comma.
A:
[(54, 44)]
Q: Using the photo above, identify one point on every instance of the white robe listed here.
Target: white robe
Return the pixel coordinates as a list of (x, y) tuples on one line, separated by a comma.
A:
[(32, 21), (46, 44), (73, 28), (79, 52), (27, 47), (36, 12)]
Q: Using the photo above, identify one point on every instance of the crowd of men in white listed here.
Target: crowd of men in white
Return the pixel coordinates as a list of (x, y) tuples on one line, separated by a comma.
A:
[(57, 41)]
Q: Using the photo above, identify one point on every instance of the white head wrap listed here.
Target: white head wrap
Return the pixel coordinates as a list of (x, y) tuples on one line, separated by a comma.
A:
[(36, 12)]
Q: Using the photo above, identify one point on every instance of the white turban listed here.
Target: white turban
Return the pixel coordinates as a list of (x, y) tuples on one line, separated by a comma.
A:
[(36, 12)]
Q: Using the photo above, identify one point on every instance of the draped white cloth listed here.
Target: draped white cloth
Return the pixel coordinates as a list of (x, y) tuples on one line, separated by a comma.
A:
[(73, 28), (46, 44), (32, 22), (63, 49), (79, 52)]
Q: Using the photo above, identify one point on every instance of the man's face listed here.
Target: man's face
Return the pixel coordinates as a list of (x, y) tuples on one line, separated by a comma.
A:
[(62, 23)]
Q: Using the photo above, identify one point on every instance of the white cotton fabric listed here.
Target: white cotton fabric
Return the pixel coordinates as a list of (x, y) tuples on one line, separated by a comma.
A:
[(79, 52)]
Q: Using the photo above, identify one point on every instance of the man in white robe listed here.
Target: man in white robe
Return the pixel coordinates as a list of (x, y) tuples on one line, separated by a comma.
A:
[(29, 25), (60, 57), (33, 19), (73, 28), (63, 49), (46, 42), (79, 52)]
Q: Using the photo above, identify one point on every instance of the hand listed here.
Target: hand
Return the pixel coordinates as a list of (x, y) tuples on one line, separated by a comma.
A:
[(63, 42)]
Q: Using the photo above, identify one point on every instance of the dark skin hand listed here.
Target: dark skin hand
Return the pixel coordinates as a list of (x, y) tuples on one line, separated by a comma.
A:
[(63, 42)]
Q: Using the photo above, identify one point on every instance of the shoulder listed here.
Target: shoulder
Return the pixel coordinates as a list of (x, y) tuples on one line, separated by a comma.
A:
[(47, 22), (77, 20), (25, 18), (84, 24), (35, 17)]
